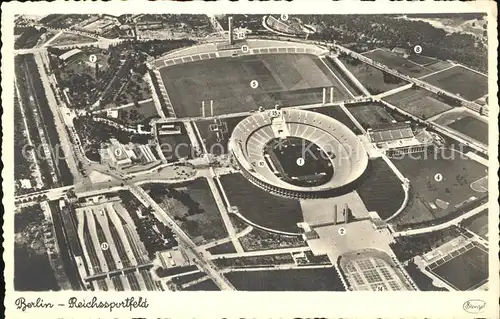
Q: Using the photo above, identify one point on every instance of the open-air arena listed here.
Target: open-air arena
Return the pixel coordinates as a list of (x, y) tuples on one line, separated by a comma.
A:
[(322, 142), (262, 74)]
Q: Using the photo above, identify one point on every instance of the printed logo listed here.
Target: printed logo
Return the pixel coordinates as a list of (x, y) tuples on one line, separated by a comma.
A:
[(474, 306)]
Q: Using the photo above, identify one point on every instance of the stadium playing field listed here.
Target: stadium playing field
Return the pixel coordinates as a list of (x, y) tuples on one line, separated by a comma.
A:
[(261, 207), (459, 80), (397, 62), (466, 271), (287, 79), (421, 103), (441, 179), (285, 155)]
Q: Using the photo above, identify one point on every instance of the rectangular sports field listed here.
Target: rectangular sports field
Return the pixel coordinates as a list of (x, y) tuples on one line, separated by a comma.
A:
[(370, 115), (175, 147), (441, 178), (472, 127), (466, 271), (459, 80), (373, 79), (286, 79), (465, 122), (429, 63), (398, 62), (421, 59), (421, 103)]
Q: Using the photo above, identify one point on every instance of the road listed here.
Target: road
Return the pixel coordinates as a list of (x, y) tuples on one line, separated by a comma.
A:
[(455, 221), (42, 59), (263, 252), (206, 265)]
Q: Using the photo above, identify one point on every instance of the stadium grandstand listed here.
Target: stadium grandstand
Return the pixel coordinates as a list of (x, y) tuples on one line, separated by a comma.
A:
[(297, 153), (399, 138), (292, 26)]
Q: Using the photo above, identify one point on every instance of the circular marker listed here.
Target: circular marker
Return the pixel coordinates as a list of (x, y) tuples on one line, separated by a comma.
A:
[(104, 246), (342, 231), (261, 163), (417, 49), (300, 161), (118, 152), (244, 48), (93, 58), (284, 17), (438, 177), (254, 84)]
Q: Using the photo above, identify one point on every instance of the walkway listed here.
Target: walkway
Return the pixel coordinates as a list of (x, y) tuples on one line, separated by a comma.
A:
[(452, 222)]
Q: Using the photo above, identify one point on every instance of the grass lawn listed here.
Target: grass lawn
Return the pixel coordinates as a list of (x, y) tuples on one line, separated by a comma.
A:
[(259, 239), (33, 270), (421, 103), (133, 115), (287, 79), (408, 247), (469, 123), (423, 281), (372, 78), (421, 59), (225, 248), (450, 192), (370, 115), (337, 113), (261, 207), (71, 38), (459, 80), (381, 190), (194, 209), (473, 127), (416, 211), (397, 62), (466, 271), (478, 224), (319, 279), (206, 285)]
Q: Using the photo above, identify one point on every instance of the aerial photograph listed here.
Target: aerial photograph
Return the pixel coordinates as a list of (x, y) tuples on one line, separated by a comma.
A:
[(257, 152)]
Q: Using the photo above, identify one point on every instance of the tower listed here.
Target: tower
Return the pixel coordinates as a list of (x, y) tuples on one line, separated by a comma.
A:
[(346, 214), (230, 24), (335, 214)]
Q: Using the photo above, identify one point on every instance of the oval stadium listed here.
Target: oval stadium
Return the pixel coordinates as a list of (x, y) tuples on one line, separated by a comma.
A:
[(298, 154)]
